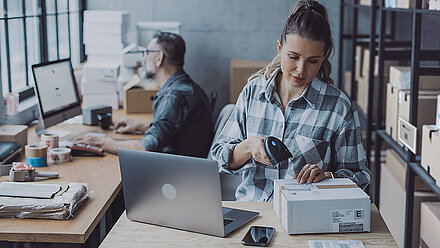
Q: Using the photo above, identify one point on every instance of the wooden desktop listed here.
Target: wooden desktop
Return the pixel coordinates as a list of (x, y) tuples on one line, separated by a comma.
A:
[(100, 173), (127, 233)]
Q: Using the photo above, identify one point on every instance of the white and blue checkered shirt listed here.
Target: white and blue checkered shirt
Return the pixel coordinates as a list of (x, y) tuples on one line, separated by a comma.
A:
[(320, 127)]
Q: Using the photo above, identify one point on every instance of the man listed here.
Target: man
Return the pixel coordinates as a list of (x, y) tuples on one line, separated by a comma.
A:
[(182, 122)]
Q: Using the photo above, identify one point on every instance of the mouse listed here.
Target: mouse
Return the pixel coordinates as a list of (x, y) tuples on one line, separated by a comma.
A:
[(79, 149)]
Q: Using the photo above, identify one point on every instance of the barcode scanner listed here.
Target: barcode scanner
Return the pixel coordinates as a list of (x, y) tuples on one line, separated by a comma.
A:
[(276, 150)]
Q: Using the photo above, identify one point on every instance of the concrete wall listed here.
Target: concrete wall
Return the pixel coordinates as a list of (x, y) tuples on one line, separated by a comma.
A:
[(216, 31)]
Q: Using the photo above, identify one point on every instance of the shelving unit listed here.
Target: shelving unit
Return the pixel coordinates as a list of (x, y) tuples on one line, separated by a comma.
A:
[(415, 55)]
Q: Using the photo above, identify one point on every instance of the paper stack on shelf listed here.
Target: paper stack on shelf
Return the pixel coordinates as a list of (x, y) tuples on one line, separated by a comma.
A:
[(105, 35)]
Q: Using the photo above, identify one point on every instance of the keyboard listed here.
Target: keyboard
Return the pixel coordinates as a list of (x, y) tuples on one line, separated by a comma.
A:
[(227, 222)]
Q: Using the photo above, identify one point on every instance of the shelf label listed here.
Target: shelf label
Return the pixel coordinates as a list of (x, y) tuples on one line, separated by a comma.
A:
[(407, 134)]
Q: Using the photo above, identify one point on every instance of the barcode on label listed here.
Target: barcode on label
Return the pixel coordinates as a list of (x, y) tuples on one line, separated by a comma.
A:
[(351, 227)]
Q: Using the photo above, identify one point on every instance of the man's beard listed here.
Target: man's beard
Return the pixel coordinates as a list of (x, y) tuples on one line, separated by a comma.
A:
[(150, 74)]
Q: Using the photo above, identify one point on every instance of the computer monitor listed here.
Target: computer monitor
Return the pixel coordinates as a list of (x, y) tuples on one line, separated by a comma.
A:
[(57, 93)]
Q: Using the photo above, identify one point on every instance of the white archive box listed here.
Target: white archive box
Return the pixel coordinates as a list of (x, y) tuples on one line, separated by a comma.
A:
[(100, 99), (330, 206), (90, 87), (101, 71)]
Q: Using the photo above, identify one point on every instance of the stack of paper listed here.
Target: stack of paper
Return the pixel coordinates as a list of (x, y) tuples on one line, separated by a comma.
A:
[(105, 35)]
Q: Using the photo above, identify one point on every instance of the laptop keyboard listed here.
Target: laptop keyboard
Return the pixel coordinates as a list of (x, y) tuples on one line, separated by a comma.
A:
[(227, 222)]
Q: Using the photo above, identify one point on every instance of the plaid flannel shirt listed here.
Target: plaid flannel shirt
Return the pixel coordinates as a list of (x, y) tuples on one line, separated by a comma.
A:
[(319, 127)]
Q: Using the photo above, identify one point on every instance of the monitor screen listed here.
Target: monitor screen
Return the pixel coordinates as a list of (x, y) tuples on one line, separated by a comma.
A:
[(57, 92)]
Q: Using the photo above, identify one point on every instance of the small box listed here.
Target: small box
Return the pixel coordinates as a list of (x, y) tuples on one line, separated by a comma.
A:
[(139, 97), (409, 4), (241, 70), (15, 133), (393, 201), (101, 71), (100, 99), (330, 206), (347, 82), (430, 224), (430, 151), (362, 95), (90, 115), (426, 111), (397, 166)]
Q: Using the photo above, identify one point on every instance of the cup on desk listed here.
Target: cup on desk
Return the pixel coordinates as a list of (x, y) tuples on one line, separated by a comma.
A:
[(105, 120)]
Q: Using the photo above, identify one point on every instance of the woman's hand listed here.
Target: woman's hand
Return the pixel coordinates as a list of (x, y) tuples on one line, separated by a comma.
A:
[(310, 173), (250, 147), (256, 148)]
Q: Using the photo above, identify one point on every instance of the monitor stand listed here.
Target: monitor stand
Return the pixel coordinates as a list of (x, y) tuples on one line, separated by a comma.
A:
[(41, 130)]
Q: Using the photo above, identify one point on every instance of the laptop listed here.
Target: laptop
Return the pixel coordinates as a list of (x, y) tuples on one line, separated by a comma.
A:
[(177, 191)]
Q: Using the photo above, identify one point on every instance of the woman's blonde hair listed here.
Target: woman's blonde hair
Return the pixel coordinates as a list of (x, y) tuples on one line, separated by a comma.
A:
[(309, 20)]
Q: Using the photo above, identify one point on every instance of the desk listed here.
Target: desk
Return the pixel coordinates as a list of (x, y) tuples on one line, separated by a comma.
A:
[(127, 233), (104, 179)]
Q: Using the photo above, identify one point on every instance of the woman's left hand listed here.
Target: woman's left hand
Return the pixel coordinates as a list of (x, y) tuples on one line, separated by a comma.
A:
[(310, 173)]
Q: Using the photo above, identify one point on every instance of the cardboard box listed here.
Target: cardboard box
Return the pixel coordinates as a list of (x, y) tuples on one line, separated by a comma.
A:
[(330, 206), (358, 62), (397, 166), (15, 133), (392, 102), (430, 224), (393, 202), (139, 97), (366, 64), (90, 87), (347, 83), (101, 71), (241, 70), (362, 96), (431, 151), (425, 113), (400, 77), (100, 99)]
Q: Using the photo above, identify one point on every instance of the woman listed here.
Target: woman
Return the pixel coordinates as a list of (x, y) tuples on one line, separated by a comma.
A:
[(294, 100)]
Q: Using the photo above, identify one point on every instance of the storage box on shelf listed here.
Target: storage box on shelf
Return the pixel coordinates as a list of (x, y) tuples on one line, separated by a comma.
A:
[(400, 84), (431, 151), (425, 112), (393, 198), (430, 224)]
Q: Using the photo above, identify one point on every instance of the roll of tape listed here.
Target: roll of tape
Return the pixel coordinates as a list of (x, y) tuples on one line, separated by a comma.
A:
[(51, 140), (37, 162), (35, 151), (59, 155)]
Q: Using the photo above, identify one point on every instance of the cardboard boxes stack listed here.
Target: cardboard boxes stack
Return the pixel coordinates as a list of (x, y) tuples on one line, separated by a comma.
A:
[(330, 206), (105, 35), (362, 63), (430, 224), (241, 70), (397, 101), (393, 198)]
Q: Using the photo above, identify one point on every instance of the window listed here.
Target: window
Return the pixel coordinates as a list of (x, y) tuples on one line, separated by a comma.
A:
[(34, 31)]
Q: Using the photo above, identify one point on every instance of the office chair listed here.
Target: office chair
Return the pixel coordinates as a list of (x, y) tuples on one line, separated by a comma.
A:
[(229, 183)]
